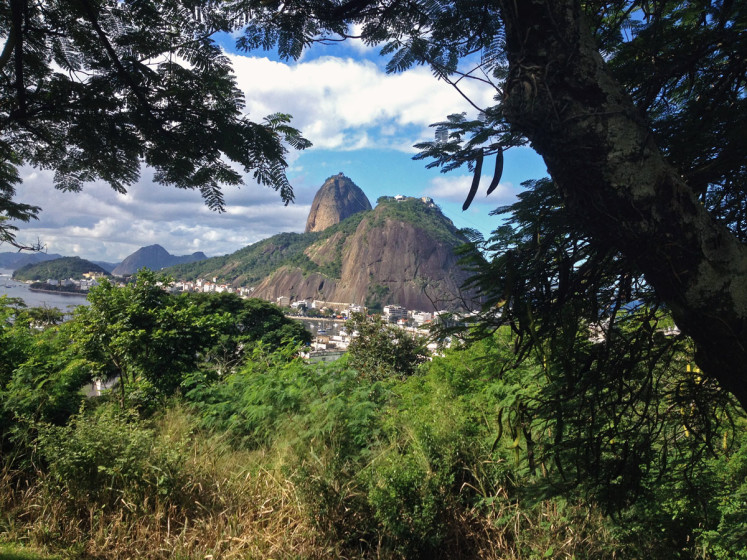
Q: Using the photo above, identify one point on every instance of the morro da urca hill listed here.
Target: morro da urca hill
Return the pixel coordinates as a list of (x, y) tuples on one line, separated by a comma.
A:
[(401, 252), (153, 257), (338, 199)]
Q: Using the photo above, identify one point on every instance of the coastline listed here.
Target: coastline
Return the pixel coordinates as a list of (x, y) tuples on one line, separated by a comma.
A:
[(58, 292)]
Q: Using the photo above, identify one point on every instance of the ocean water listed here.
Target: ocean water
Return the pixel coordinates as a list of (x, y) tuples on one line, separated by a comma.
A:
[(11, 288)]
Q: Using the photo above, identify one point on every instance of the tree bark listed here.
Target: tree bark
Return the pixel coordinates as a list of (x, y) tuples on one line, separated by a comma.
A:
[(601, 153)]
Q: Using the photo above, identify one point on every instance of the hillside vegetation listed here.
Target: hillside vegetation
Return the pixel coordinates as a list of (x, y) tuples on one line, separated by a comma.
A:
[(219, 441), (254, 263), (57, 269)]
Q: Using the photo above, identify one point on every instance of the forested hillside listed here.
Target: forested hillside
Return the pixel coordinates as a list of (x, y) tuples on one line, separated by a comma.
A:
[(58, 269)]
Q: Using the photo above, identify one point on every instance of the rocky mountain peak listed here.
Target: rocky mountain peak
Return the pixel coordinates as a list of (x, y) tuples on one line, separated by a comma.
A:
[(337, 199)]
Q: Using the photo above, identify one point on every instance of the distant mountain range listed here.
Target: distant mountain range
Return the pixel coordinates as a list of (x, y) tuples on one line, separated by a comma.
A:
[(401, 252), (14, 260), (153, 257)]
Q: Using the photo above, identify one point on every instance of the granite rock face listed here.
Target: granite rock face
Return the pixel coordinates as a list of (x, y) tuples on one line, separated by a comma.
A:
[(339, 198)]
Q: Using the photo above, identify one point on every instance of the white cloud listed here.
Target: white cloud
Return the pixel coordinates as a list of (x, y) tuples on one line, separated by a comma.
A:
[(99, 223), (455, 189), (342, 103)]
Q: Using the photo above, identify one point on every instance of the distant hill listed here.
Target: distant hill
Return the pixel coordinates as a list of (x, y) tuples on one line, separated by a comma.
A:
[(400, 252), (108, 266), (14, 260), (153, 257), (57, 269)]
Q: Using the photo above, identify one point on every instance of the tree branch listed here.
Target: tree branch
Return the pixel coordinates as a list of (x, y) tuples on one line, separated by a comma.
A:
[(121, 70)]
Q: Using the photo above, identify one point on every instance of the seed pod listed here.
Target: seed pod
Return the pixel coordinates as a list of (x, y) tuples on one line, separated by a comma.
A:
[(475, 181), (498, 171)]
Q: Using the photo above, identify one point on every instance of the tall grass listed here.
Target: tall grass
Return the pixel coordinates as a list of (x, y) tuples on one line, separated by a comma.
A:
[(228, 503), (224, 502)]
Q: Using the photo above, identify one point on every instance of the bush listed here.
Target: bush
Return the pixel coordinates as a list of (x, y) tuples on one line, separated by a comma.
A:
[(106, 455)]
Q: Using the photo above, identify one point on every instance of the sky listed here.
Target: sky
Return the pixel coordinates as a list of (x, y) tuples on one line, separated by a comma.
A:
[(361, 121)]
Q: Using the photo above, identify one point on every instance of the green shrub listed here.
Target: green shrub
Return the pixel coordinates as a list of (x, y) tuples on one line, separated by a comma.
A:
[(107, 454)]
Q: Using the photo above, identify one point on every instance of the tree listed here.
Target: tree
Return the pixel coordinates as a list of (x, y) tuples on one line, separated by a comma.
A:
[(94, 88), (638, 109), (251, 321), (379, 350), (665, 213), (140, 333)]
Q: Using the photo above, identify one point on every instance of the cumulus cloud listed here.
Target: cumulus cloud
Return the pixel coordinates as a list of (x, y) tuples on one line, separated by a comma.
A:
[(101, 224), (342, 103), (455, 189)]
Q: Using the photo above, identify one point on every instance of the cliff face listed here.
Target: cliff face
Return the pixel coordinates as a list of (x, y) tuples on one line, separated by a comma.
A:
[(153, 257), (397, 262), (339, 198), (292, 282)]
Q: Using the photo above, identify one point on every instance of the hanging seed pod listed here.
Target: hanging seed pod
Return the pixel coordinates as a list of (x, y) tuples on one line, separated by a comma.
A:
[(475, 181), (498, 171)]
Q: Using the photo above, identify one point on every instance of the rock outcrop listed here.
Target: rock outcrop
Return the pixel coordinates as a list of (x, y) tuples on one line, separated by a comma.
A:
[(339, 198), (401, 252)]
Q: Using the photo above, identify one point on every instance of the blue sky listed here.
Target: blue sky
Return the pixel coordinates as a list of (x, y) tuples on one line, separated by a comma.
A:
[(362, 122)]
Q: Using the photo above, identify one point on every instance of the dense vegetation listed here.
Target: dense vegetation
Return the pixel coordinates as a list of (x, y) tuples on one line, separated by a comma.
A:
[(58, 269), (222, 442), (414, 211)]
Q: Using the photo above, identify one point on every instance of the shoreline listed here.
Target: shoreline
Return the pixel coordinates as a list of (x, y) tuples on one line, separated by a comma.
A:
[(58, 292)]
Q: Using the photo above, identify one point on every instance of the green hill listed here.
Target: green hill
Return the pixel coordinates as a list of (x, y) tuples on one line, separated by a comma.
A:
[(254, 263), (57, 269)]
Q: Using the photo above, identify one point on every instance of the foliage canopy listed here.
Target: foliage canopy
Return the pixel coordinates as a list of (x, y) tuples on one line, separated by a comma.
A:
[(92, 89), (637, 108)]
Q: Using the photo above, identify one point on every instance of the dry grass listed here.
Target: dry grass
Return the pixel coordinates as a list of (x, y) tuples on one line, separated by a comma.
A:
[(508, 532), (232, 505), (236, 504)]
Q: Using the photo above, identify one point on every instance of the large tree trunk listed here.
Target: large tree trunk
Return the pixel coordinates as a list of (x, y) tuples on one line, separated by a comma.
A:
[(617, 184)]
